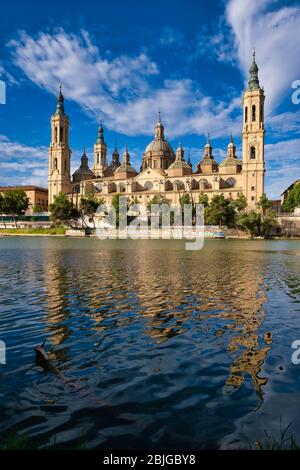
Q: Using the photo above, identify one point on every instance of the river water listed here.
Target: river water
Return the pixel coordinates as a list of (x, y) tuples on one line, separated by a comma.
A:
[(159, 347)]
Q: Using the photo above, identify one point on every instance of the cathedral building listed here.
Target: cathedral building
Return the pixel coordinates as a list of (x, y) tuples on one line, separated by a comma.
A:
[(162, 170)]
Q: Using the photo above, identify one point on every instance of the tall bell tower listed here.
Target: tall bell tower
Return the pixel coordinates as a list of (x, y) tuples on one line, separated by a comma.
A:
[(100, 151), (253, 138), (59, 176)]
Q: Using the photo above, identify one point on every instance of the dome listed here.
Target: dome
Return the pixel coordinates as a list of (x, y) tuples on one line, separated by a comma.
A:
[(179, 164), (158, 153), (83, 172), (159, 145)]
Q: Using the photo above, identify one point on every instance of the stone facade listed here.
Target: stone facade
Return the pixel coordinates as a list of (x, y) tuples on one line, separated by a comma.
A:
[(37, 196), (162, 170)]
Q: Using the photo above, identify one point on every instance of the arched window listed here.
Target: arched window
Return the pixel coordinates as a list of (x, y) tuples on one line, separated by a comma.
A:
[(252, 153), (55, 163), (65, 165), (254, 113), (61, 134), (55, 134), (203, 184), (246, 114), (179, 185)]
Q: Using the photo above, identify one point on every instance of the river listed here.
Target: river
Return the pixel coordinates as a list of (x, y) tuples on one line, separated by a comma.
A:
[(167, 348)]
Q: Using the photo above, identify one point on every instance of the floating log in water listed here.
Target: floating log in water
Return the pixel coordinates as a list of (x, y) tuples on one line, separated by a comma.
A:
[(43, 360)]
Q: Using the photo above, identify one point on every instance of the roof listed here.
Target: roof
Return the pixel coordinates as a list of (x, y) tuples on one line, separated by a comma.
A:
[(125, 167), (24, 188), (290, 187), (159, 145), (179, 164)]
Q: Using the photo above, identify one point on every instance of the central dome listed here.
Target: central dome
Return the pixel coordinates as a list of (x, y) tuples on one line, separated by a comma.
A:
[(159, 145), (158, 153)]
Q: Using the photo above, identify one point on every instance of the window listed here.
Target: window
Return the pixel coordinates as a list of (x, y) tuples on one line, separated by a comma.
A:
[(148, 185), (252, 153), (61, 133), (252, 198), (55, 163), (254, 113), (231, 182), (246, 114), (252, 188), (55, 134)]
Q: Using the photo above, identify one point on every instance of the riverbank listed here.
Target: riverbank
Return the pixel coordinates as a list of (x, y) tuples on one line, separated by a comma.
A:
[(38, 231), (63, 233)]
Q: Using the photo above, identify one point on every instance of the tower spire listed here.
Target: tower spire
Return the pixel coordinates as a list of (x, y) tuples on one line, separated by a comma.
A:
[(159, 128), (253, 82), (100, 138), (60, 109)]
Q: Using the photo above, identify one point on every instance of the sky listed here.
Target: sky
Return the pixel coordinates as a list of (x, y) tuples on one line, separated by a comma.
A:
[(121, 62)]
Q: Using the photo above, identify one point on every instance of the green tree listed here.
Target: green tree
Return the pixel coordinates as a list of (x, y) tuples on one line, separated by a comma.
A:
[(264, 203), (268, 222), (115, 202), (134, 201), (184, 199), (219, 211), (157, 199), (62, 210), (251, 222), (37, 208), (15, 203), (203, 199), (292, 199), (160, 199), (88, 206), (2, 210), (239, 204)]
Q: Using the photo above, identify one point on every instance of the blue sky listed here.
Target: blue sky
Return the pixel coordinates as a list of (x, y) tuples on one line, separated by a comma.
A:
[(122, 61)]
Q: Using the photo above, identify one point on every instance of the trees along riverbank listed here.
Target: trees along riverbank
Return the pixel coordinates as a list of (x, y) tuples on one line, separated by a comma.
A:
[(219, 211)]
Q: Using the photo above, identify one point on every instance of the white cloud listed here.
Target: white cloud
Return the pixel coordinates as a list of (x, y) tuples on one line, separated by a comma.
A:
[(12, 151), (282, 165), (219, 45), (284, 123), (120, 89), (274, 32)]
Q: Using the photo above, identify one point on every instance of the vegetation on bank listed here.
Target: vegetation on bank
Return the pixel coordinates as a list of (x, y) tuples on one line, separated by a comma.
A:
[(292, 199), (16, 441), (13, 203), (219, 211), (285, 440), (59, 230)]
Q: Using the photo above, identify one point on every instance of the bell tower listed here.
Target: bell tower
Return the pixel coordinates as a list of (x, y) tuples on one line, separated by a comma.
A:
[(59, 176), (100, 150), (253, 138)]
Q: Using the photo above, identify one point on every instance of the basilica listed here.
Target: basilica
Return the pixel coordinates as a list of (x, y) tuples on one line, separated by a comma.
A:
[(163, 171)]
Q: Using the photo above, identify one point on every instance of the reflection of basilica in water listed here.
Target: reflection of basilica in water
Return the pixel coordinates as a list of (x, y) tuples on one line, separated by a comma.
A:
[(168, 292)]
